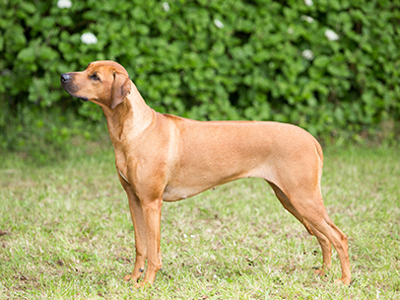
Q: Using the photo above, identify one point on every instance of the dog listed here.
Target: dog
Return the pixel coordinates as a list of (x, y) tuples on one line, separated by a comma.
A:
[(162, 157)]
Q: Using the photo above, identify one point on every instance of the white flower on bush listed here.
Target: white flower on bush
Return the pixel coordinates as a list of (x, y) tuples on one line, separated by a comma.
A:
[(290, 30), (88, 38), (165, 6), (308, 54), (307, 19), (218, 23), (308, 2), (331, 35), (64, 3)]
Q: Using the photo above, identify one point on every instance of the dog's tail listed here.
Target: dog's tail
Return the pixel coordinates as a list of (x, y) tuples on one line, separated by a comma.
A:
[(319, 152), (320, 156)]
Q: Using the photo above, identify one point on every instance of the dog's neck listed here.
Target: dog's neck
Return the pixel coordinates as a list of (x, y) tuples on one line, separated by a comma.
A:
[(130, 118)]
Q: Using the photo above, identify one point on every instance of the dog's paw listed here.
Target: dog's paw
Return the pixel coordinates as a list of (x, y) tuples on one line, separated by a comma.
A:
[(141, 285), (127, 277), (134, 276), (342, 281), (319, 272)]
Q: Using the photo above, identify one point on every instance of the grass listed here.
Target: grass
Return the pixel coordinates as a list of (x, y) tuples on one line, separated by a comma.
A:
[(66, 233)]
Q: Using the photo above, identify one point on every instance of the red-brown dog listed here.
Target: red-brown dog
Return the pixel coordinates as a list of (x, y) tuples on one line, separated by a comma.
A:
[(161, 157)]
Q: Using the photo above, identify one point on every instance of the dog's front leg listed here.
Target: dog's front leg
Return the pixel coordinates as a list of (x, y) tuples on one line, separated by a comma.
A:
[(139, 226), (152, 216)]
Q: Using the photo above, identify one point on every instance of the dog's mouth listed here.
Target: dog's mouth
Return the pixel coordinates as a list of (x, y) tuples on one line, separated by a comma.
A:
[(72, 89), (69, 87)]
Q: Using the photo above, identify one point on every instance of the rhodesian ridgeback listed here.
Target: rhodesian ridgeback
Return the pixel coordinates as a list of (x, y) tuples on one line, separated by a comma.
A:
[(161, 157)]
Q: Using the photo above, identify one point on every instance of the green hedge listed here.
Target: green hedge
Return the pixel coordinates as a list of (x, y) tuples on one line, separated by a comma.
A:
[(212, 59)]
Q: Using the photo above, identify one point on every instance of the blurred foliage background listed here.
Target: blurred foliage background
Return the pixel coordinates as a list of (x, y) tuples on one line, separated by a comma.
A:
[(329, 66)]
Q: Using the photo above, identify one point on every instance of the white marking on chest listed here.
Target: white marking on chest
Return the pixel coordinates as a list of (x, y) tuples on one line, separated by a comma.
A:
[(122, 175)]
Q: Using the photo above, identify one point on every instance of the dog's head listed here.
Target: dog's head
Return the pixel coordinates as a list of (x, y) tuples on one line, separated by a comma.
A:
[(105, 83)]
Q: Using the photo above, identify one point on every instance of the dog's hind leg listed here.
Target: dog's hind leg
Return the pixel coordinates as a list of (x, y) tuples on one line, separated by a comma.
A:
[(322, 240), (326, 252), (317, 216), (289, 207), (309, 205)]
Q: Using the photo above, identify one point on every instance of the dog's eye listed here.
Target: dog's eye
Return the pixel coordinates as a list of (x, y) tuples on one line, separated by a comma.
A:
[(94, 77)]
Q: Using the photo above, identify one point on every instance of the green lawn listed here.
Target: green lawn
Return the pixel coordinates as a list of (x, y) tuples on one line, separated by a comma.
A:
[(66, 233)]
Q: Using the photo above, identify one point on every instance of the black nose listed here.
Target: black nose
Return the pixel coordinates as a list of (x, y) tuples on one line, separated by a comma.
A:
[(65, 77)]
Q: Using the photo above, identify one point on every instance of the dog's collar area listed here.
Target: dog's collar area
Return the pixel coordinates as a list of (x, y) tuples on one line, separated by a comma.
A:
[(122, 175)]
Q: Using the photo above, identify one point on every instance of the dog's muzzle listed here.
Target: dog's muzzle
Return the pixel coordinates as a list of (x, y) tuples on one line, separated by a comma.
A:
[(66, 82)]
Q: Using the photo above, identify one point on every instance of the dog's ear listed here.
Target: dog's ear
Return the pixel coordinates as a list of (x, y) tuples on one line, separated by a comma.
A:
[(120, 89)]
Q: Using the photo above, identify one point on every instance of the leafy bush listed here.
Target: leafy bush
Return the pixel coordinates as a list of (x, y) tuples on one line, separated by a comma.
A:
[(327, 66)]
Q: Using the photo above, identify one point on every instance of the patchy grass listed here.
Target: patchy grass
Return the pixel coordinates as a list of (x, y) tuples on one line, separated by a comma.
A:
[(66, 233)]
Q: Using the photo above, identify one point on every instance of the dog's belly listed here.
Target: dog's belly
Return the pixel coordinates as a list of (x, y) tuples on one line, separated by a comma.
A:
[(182, 187), (179, 190), (179, 193), (172, 193)]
